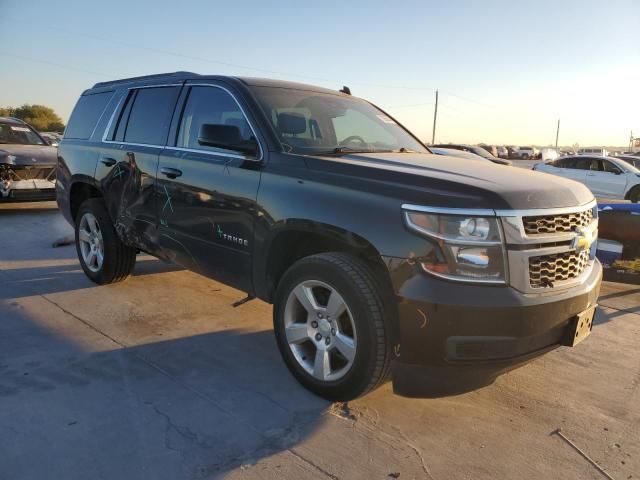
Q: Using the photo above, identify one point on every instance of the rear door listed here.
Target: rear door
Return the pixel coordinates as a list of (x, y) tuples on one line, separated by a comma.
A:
[(128, 165), (568, 167), (207, 195)]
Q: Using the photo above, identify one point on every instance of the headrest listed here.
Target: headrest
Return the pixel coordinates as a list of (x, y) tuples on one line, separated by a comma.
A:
[(292, 123)]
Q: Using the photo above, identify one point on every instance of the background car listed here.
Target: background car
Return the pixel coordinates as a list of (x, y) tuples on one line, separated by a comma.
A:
[(607, 177), (27, 163), (630, 159), (458, 153), (502, 152), (527, 153), (593, 151), (473, 149), (52, 139), (492, 149), (548, 154)]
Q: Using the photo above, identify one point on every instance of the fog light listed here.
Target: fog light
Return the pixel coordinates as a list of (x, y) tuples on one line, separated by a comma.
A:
[(473, 257)]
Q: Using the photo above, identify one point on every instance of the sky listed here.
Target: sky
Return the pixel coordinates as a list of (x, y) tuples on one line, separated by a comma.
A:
[(506, 71)]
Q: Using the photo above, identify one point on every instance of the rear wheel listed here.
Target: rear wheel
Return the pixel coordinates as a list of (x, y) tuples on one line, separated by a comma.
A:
[(634, 195), (330, 328), (103, 257)]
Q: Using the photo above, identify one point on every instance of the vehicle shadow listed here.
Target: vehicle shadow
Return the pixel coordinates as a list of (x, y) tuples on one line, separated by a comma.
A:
[(46, 279), (193, 407), (20, 208)]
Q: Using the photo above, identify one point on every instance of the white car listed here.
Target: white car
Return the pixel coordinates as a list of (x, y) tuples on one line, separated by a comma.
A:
[(607, 177), (593, 151), (525, 153)]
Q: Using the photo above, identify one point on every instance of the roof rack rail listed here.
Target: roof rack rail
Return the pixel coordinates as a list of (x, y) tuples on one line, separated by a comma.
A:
[(15, 119), (143, 77)]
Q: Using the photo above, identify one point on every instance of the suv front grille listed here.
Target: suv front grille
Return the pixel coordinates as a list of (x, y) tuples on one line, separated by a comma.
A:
[(564, 223), (546, 270)]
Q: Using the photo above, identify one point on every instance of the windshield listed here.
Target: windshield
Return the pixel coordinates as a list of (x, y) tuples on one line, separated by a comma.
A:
[(625, 165), (311, 123), (20, 134)]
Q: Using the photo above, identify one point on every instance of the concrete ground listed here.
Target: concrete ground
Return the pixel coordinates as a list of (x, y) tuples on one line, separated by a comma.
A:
[(160, 377)]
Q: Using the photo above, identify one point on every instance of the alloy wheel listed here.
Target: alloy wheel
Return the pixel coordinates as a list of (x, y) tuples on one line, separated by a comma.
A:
[(320, 330), (91, 242)]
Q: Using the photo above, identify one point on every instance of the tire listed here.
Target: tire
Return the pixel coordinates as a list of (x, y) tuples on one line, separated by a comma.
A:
[(357, 356), (101, 239), (634, 195)]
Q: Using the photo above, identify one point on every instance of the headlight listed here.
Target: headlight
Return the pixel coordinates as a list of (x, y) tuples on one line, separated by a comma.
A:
[(470, 247)]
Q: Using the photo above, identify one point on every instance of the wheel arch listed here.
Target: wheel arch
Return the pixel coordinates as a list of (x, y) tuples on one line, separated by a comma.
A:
[(635, 188), (81, 189), (296, 239)]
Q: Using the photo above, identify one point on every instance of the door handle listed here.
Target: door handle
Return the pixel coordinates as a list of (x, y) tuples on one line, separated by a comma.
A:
[(171, 172), (109, 162), (591, 174)]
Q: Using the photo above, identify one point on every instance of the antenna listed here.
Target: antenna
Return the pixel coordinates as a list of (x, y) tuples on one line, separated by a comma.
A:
[(346, 90)]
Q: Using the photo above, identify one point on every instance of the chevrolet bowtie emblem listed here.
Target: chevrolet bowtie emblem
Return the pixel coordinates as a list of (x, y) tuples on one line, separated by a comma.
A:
[(583, 240)]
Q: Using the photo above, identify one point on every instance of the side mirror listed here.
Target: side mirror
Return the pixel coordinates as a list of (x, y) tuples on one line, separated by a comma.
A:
[(227, 137)]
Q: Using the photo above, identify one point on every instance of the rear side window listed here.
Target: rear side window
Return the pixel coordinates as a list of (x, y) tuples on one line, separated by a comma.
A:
[(565, 163), (150, 115), (86, 114)]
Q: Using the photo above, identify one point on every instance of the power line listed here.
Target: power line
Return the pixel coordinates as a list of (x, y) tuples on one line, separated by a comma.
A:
[(235, 65), (54, 64), (225, 63)]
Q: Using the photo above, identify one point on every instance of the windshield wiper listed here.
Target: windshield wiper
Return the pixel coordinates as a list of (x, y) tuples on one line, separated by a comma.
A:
[(343, 151)]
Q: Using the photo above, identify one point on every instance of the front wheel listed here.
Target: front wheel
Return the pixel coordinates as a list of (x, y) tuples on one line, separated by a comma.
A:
[(330, 326), (103, 256), (634, 195)]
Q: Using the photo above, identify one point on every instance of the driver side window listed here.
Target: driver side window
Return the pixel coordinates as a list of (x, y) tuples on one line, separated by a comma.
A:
[(610, 167), (210, 105)]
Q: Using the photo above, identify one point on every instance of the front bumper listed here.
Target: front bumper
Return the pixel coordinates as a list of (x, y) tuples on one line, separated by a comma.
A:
[(27, 190), (453, 337)]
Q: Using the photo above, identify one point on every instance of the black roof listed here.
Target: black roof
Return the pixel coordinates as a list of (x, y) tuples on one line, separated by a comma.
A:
[(182, 76), (13, 120)]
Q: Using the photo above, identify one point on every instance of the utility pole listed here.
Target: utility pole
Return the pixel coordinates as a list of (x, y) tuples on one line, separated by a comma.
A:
[(557, 134), (435, 118)]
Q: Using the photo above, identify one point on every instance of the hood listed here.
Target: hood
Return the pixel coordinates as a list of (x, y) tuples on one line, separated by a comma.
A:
[(24, 155), (446, 181)]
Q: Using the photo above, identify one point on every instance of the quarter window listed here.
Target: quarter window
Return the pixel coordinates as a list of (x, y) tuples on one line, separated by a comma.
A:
[(211, 105), (86, 114)]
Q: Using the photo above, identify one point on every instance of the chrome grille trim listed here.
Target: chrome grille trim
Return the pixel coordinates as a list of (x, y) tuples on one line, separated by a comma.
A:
[(564, 223), (545, 261), (550, 270)]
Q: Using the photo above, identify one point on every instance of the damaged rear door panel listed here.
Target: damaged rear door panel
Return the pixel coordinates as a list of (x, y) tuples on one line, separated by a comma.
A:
[(127, 168)]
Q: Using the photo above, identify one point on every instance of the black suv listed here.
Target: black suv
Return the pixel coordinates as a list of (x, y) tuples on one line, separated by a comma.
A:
[(379, 257)]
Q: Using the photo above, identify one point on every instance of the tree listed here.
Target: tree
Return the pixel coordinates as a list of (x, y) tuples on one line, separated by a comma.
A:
[(41, 117)]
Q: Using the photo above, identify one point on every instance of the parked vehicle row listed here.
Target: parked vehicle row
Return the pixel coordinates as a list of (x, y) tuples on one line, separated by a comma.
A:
[(379, 257), (477, 150)]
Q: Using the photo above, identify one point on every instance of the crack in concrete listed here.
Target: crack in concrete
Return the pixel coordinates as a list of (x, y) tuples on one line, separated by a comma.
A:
[(313, 465), (358, 418)]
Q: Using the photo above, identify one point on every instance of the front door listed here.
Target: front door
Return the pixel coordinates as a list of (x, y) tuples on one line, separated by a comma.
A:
[(608, 180), (207, 195)]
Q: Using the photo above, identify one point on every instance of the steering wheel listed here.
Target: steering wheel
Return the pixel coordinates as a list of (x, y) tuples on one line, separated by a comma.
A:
[(353, 138)]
